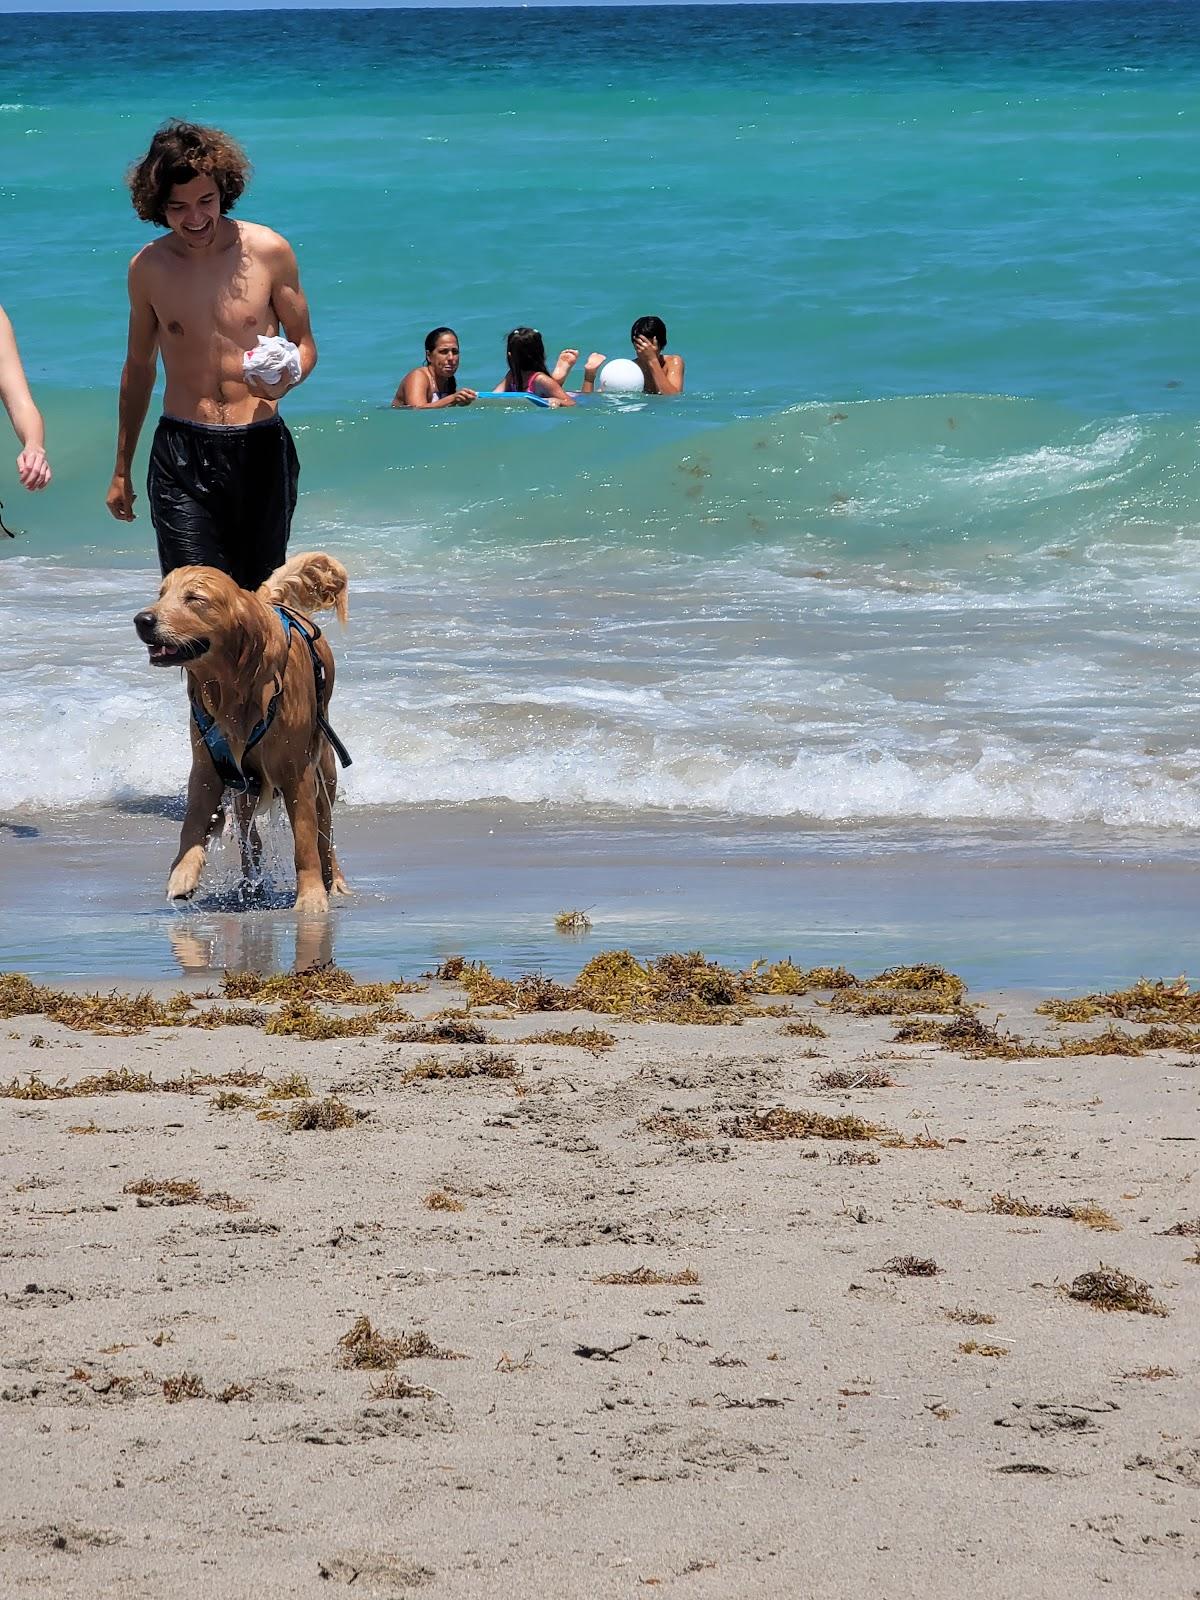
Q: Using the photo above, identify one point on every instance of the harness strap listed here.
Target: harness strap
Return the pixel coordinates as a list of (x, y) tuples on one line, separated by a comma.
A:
[(228, 769), (302, 624)]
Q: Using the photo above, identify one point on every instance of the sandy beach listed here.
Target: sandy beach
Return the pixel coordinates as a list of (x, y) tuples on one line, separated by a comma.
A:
[(778, 1408)]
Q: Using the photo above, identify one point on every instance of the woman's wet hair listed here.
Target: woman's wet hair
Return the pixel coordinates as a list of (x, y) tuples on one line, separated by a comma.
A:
[(526, 355), (434, 335), (179, 152), (650, 328)]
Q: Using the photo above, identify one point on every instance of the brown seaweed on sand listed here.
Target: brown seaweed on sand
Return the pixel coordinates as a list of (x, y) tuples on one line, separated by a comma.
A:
[(323, 1115), (1092, 1216), (302, 1021), (480, 1064), (911, 1266), (781, 1123), (364, 1346), (1147, 1000), (646, 1277), (854, 1078), (179, 1192), (593, 1039), (315, 983), (1110, 1289), (450, 1030)]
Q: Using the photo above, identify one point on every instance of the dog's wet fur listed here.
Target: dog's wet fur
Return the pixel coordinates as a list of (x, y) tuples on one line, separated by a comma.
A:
[(235, 652)]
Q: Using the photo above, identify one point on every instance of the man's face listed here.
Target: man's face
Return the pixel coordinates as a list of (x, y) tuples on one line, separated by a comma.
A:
[(193, 210)]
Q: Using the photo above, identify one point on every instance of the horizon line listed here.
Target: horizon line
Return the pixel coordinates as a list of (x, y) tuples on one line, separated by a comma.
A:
[(156, 7)]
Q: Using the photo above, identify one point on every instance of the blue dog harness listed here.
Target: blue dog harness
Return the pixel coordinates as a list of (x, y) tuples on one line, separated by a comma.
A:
[(228, 770)]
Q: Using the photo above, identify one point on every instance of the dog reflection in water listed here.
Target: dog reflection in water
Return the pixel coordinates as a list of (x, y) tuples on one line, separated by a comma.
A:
[(260, 675), (236, 943)]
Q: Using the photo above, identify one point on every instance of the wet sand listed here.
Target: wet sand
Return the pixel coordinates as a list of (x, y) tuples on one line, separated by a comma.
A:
[(799, 1419), (83, 896)]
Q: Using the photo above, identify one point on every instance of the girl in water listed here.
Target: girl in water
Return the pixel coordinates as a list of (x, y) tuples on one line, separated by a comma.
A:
[(527, 372), (33, 469), (433, 386)]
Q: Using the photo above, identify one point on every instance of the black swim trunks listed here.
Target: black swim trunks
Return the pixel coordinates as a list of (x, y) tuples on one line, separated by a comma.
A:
[(223, 497)]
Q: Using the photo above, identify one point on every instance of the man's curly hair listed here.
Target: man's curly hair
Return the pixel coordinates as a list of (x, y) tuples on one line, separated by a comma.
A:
[(179, 152)]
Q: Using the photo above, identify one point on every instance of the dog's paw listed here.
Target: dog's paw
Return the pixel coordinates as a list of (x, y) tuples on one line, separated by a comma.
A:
[(312, 902), (185, 876), (339, 885)]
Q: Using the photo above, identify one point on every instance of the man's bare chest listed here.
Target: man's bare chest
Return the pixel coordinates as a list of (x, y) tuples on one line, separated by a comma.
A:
[(230, 304)]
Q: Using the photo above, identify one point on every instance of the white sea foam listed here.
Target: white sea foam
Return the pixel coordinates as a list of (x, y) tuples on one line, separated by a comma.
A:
[(1046, 692)]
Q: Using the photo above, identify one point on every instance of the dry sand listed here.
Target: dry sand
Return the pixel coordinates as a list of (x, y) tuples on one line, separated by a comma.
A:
[(799, 1421)]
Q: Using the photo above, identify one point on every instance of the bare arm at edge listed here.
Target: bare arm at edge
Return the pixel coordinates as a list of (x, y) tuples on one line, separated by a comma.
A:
[(137, 386), (32, 467)]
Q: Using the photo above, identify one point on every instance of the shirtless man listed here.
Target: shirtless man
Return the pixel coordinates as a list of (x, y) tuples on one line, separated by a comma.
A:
[(223, 468)]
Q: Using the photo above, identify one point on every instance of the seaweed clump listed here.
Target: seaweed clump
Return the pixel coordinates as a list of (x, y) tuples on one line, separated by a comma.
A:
[(804, 1028), (329, 983), (111, 1014), (645, 1277), (912, 1266), (781, 1123), (481, 1064), (572, 922), (179, 1192), (898, 991), (595, 1040), (854, 1078), (781, 977), (1011, 1205), (365, 1347), (1147, 1000), (324, 1116), (297, 1019), (187, 1386), (1110, 1289), (446, 1030)]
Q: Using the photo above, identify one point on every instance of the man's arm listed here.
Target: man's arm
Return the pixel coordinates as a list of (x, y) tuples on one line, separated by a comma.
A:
[(137, 386), (291, 309)]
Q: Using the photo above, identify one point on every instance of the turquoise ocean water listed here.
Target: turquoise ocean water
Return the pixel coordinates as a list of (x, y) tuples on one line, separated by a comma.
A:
[(914, 558)]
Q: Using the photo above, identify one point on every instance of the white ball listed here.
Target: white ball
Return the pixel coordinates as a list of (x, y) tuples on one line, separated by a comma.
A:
[(621, 376)]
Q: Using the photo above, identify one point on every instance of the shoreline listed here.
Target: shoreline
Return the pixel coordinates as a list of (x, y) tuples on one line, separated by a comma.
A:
[(83, 897)]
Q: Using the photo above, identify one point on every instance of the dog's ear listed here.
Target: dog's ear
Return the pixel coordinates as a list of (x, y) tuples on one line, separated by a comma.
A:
[(254, 643)]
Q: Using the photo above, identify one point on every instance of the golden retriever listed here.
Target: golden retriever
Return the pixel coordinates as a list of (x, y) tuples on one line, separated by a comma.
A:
[(246, 667)]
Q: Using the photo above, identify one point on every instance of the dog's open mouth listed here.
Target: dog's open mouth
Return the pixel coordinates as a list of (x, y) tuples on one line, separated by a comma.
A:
[(175, 655)]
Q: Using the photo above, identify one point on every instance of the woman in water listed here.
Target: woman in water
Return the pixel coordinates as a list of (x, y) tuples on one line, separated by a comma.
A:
[(32, 467), (661, 373), (433, 386), (527, 372)]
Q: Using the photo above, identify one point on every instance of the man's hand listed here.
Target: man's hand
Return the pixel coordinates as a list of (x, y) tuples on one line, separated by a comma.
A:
[(566, 360), (32, 467), (120, 497), (463, 397), (263, 390), (593, 364)]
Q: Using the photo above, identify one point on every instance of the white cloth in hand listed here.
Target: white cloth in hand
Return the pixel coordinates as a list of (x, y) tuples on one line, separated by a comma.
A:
[(273, 358)]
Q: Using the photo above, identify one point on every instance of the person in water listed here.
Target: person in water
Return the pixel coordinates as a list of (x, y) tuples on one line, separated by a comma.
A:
[(661, 373), (223, 469), (527, 372), (434, 386), (33, 469)]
